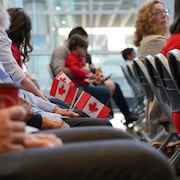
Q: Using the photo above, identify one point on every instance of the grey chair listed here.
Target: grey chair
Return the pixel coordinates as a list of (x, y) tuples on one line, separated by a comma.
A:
[(149, 91), (144, 79), (170, 86), (138, 94), (174, 65), (158, 87)]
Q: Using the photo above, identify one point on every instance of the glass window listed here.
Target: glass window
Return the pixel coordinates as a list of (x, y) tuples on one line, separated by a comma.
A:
[(69, 5), (13, 3), (41, 32), (103, 5), (34, 5), (37, 66), (109, 24), (110, 65)]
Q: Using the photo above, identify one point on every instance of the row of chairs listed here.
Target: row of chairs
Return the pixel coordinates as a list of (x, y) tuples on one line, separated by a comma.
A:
[(138, 93), (137, 76), (159, 76)]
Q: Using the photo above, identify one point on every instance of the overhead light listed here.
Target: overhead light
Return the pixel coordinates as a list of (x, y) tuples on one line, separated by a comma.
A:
[(58, 8), (63, 22)]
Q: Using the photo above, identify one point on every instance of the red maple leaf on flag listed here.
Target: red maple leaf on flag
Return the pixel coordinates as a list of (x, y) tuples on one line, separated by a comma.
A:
[(63, 79), (62, 90), (93, 107)]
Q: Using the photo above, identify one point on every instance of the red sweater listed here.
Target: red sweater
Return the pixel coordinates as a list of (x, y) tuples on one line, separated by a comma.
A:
[(172, 43), (16, 54), (76, 64)]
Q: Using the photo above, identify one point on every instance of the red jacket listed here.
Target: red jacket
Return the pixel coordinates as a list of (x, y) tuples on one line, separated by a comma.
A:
[(76, 64), (16, 54), (172, 43)]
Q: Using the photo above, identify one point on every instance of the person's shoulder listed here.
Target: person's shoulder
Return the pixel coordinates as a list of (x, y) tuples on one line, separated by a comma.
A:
[(162, 38), (60, 48), (155, 38)]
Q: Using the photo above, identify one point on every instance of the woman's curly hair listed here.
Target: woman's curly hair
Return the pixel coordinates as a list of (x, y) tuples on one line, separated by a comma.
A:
[(144, 23), (20, 31)]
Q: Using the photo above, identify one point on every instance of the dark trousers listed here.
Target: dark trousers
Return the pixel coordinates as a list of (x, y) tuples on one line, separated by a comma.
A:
[(121, 102), (87, 121), (100, 92)]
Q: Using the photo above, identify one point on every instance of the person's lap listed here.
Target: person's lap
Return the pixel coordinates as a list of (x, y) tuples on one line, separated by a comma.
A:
[(100, 92), (87, 121)]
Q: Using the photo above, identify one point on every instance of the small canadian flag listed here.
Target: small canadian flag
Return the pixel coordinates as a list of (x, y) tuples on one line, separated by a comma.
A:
[(91, 106), (63, 91), (64, 78)]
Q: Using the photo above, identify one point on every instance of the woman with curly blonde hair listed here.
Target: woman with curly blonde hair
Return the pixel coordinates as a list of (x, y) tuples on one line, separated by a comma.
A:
[(151, 28), (150, 36)]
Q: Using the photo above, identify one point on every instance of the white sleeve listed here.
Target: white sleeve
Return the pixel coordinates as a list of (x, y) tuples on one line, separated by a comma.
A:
[(37, 102), (6, 58)]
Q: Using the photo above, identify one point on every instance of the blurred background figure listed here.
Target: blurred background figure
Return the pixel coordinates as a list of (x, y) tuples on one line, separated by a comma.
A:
[(150, 36), (128, 54)]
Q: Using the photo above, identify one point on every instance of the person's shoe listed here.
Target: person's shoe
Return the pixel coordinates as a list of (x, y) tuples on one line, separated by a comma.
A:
[(130, 120)]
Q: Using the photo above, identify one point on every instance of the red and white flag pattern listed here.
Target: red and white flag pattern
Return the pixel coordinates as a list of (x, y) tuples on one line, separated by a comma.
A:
[(91, 106), (64, 78), (63, 91)]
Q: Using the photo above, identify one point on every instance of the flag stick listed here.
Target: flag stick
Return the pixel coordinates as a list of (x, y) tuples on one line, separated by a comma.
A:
[(72, 106)]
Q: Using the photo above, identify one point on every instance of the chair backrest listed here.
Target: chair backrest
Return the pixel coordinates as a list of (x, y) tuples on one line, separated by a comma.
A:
[(124, 69), (132, 72), (143, 78), (158, 87), (163, 69), (156, 79), (131, 80), (174, 65)]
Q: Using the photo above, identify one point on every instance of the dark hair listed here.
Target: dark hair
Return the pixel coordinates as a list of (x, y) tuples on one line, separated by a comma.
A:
[(75, 41), (126, 52), (175, 26), (78, 30), (19, 31)]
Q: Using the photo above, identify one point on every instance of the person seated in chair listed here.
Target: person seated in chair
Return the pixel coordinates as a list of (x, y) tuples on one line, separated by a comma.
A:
[(84, 156), (57, 63)]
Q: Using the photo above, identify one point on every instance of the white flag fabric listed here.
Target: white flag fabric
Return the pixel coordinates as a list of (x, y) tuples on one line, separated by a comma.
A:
[(91, 106), (64, 78), (63, 91)]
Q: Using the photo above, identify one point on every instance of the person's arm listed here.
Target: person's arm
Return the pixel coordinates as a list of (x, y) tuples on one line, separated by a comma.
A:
[(13, 136), (57, 62), (12, 68), (41, 140), (52, 121), (28, 85), (12, 132), (65, 112), (46, 106), (74, 65)]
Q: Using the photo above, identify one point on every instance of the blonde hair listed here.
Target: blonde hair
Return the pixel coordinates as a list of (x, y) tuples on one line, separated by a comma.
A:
[(144, 23)]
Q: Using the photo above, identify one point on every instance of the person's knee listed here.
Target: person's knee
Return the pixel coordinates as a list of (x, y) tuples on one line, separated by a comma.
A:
[(104, 92), (100, 92), (111, 85)]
